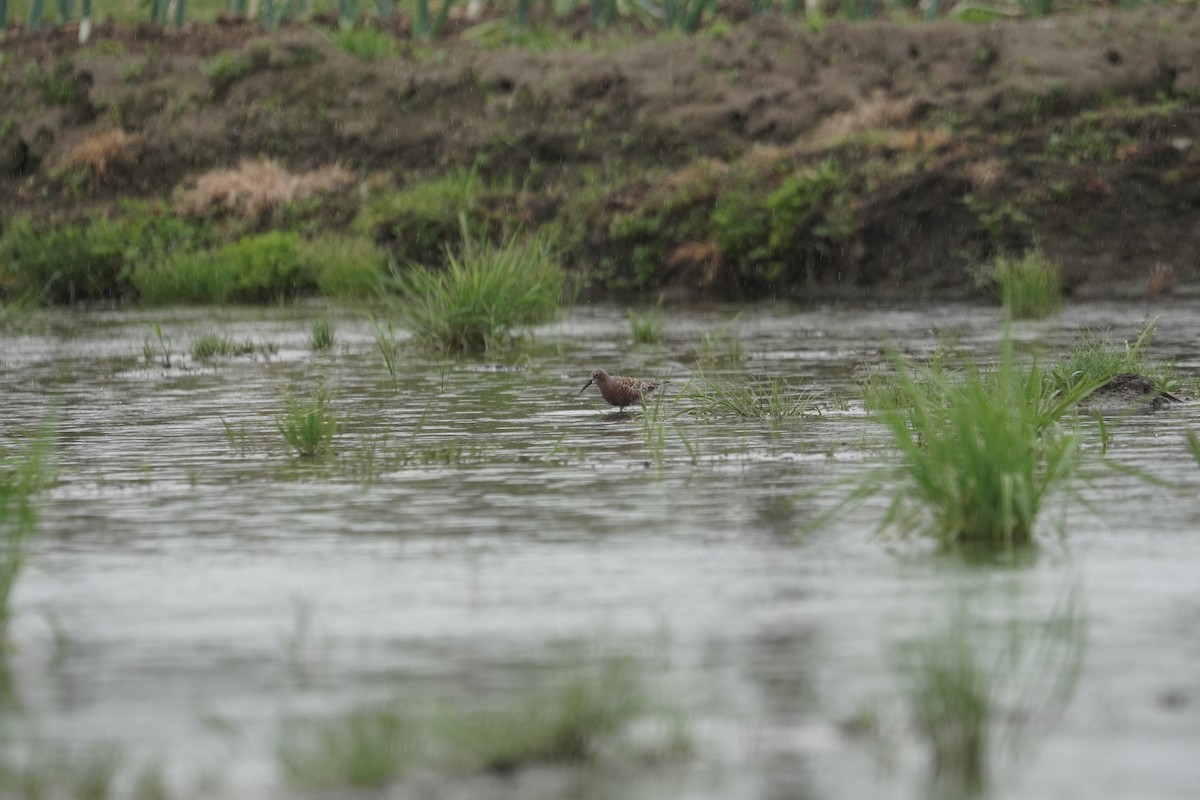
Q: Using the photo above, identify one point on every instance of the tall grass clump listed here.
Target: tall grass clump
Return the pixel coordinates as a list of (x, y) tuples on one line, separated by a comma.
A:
[(24, 470), (1096, 359), (981, 454), (308, 425), (646, 328), (482, 297), (568, 724), (1029, 286)]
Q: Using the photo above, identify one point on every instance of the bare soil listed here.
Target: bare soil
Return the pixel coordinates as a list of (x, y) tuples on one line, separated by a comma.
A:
[(1077, 134)]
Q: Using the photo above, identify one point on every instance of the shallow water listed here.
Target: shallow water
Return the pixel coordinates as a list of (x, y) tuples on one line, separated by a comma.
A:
[(483, 525)]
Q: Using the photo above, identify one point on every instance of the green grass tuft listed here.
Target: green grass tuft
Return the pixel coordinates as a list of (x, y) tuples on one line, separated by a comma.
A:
[(366, 43), (321, 337), (722, 346), (647, 327), (308, 426), (482, 297), (748, 398), (979, 454), (1095, 360), (1029, 286)]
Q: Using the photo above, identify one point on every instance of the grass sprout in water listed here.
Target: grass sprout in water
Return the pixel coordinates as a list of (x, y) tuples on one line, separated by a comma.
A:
[(308, 426), (484, 294), (211, 345), (24, 470), (723, 346)]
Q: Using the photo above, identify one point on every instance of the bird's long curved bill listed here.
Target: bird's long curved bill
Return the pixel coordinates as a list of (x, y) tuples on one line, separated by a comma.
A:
[(589, 383)]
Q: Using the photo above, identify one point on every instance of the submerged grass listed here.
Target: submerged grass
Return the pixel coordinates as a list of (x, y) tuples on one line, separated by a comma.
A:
[(308, 426), (485, 294)]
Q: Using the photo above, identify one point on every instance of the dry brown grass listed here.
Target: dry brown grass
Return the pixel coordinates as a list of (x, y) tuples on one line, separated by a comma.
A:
[(984, 174), (1161, 281), (256, 189), (877, 112), (99, 150), (699, 263)]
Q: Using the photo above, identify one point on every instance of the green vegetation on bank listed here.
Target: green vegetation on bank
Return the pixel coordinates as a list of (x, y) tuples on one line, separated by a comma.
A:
[(153, 257), (427, 18)]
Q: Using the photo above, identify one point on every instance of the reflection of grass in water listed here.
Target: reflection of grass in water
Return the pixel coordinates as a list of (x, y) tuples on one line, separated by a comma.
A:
[(90, 772), (966, 698), (569, 724), (24, 470), (367, 746), (210, 345), (581, 720)]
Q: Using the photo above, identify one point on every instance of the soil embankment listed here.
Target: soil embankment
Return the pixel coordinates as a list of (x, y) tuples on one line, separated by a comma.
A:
[(758, 158)]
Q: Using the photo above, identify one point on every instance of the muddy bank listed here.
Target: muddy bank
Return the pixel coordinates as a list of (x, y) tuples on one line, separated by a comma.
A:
[(754, 159)]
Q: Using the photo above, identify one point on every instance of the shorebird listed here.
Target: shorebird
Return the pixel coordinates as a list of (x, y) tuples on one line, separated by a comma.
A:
[(618, 391)]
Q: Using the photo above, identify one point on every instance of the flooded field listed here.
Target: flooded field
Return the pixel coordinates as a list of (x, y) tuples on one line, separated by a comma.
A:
[(200, 606)]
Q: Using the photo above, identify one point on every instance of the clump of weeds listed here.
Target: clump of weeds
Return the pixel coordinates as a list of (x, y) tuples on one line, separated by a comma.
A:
[(308, 425)]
